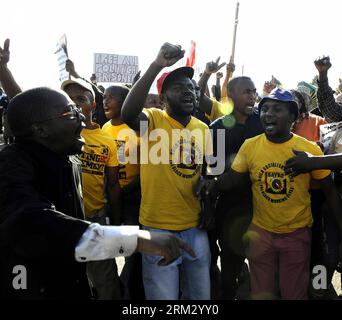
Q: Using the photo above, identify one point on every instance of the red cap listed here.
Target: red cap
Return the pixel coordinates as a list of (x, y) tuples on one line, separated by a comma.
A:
[(187, 71)]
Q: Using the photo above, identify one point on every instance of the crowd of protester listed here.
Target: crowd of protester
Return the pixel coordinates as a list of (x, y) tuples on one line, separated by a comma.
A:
[(259, 192)]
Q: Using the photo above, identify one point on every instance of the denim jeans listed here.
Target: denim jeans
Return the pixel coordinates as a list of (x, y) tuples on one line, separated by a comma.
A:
[(186, 275)]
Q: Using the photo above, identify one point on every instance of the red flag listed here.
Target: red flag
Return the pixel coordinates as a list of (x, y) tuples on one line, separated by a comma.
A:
[(190, 61)]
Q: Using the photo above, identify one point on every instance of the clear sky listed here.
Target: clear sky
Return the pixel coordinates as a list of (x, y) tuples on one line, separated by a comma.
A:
[(279, 37)]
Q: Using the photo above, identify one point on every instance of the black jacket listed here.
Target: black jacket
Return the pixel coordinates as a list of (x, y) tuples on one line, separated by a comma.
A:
[(235, 136), (39, 201)]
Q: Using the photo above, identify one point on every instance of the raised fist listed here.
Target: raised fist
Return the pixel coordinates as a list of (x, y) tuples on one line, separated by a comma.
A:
[(219, 75), (323, 64), (169, 54), (230, 67)]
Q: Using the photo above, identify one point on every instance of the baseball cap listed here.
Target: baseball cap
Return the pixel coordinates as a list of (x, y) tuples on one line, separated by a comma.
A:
[(82, 83), (166, 77), (282, 95), (307, 88)]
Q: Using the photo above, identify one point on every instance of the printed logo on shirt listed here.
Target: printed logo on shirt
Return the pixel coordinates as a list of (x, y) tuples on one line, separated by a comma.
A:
[(94, 158), (186, 158), (274, 185)]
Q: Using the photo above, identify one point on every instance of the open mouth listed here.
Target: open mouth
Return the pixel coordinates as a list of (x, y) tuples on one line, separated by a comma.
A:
[(270, 126), (188, 100), (107, 111)]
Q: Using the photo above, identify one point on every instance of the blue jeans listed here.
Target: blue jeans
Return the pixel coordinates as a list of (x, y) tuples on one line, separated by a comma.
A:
[(187, 275)]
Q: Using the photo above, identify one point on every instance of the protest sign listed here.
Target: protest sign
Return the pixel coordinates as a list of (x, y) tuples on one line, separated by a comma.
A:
[(327, 131), (62, 56), (115, 67)]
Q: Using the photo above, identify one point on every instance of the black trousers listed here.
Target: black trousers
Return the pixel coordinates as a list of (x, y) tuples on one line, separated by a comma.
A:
[(131, 275), (231, 225)]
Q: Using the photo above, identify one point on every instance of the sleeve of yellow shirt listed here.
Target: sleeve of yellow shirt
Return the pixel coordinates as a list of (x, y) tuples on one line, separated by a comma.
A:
[(215, 111), (113, 155), (219, 109), (240, 163), (149, 113)]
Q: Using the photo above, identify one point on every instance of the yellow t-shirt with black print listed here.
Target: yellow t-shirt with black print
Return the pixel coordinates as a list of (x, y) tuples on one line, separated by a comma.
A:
[(219, 109), (99, 152), (281, 203), (171, 165), (127, 144)]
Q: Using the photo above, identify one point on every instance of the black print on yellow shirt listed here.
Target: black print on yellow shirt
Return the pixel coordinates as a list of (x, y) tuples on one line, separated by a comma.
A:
[(187, 160), (94, 159), (274, 184)]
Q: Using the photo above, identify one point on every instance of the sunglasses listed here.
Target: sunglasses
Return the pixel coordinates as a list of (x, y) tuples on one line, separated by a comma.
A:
[(74, 113)]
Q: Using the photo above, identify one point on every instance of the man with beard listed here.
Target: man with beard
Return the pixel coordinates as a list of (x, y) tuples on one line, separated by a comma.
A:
[(167, 182)]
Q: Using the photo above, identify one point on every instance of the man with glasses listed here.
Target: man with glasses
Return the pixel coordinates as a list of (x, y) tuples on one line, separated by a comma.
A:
[(41, 209)]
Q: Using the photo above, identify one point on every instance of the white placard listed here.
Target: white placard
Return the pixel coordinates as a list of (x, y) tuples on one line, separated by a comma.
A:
[(327, 131), (62, 56), (115, 67)]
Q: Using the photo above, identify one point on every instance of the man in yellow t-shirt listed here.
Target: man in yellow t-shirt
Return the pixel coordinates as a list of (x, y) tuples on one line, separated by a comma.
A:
[(101, 190), (168, 203), (128, 151), (274, 192), (127, 144), (171, 164), (280, 228)]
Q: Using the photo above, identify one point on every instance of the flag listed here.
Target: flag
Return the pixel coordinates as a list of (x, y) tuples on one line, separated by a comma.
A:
[(190, 61)]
